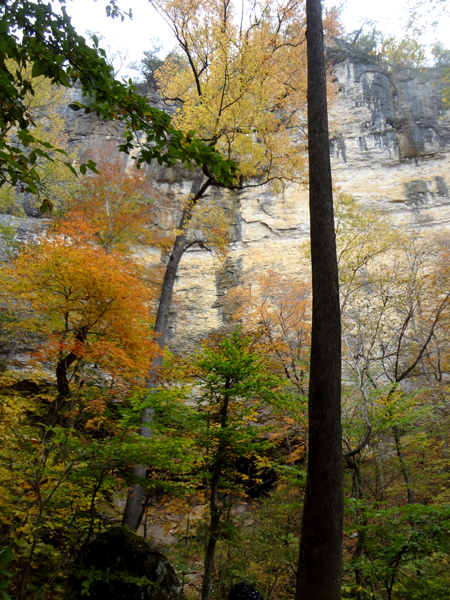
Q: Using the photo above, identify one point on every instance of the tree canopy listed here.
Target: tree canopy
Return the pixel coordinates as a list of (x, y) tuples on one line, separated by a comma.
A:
[(212, 446), (33, 34), (241, 84)]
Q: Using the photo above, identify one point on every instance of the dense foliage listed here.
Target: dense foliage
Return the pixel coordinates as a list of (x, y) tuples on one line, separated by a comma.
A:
[(73, 301), (225, 464)]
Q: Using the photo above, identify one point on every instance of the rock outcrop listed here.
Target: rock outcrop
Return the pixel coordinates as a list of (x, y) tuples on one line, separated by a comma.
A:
[(120, 565), (390, 148), (390, 142)]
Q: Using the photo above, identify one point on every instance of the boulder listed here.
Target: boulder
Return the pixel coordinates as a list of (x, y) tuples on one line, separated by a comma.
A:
[(120, 565)]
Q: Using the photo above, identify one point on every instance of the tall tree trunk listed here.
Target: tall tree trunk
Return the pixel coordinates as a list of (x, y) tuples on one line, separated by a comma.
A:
[(213, 532), (320, 561), (380, 486), (133, 509), (444, 446), (361, 544), (215, 511)]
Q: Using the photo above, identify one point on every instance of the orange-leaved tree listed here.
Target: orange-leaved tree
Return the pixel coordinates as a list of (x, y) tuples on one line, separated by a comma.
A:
[(87, 308), (275, 311), (120, 204)]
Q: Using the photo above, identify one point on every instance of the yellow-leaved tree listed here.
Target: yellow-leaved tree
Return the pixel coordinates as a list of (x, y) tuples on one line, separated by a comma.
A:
[(241, 82), (238, 83)]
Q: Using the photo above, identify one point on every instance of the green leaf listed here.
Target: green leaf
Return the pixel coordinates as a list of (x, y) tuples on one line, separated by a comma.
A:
[(75, 107), (83, 169), (6, 555), (71, 167), (91, 165), (4, 26), (39, 68), (46, 206)]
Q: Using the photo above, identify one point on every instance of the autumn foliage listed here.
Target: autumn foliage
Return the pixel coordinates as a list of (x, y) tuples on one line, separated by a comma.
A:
[(234, 82), (225, 446), (120, 204), (87, 307), (275, 310), (240, 82)]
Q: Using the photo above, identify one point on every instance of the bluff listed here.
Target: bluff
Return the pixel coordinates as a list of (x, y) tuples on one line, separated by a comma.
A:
[(389, 146)]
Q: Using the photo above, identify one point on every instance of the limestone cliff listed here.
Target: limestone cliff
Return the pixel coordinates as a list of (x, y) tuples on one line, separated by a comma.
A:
[(390, 147), (390, 141)]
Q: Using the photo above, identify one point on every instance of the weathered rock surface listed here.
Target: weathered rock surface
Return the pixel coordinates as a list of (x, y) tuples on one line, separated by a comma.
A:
[(390, 147), (390, 141), (120, 562)]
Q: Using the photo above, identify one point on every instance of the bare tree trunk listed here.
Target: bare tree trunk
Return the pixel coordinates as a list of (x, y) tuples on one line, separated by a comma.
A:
[(133, 509), (215, 511), (320, 561), (444, 446), (361, 545), (379, 475), (62, 382)]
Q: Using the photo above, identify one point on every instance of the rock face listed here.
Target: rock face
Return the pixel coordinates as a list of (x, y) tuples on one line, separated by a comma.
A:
[(121, 561), (390, 148), (390, 142)]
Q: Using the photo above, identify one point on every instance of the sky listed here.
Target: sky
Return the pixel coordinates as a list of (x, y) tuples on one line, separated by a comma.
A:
[(135, 36)]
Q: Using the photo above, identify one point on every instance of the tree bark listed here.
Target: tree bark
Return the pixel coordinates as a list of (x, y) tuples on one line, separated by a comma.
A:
[(379, 476), (320, 561), (361, 545), (213, 533), (215, 510), (62, 382), (133, 509)]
